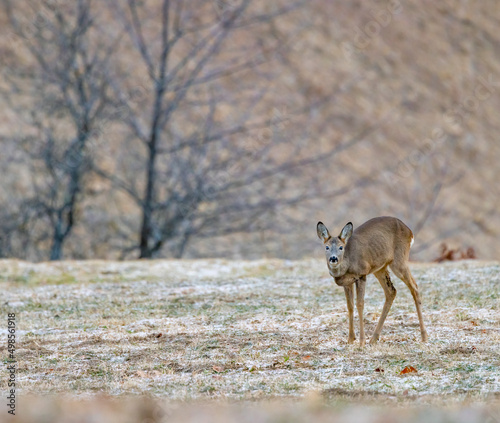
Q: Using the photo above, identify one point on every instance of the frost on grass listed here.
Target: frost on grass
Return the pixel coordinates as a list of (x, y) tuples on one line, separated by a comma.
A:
[(229, 330)]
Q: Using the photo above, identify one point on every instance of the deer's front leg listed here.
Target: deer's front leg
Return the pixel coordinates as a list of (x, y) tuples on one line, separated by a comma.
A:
[(349, 296), (360, 304)]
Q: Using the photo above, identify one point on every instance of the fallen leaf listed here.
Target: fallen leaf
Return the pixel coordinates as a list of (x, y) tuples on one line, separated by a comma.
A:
[(379, 370), (218, 369), (408, 369), (474, 323), (306, 357), (405, 392), (141, 373), (159, 335)]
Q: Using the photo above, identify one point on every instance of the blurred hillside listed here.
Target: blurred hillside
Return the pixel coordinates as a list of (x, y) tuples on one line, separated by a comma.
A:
[(405, 94)]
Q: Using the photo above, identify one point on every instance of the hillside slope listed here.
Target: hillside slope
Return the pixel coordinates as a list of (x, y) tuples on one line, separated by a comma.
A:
[(425, 76)]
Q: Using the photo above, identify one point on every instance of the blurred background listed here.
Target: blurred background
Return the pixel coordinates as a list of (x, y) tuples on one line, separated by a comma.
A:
[(228, 128)]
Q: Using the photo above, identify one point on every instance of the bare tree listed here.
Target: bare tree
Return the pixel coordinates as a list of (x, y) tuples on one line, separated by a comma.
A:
[(204, 140), (189, 155), (214, 160), (60, 94)]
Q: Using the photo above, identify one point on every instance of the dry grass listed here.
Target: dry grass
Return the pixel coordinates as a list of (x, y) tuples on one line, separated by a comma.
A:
[(264, 330)]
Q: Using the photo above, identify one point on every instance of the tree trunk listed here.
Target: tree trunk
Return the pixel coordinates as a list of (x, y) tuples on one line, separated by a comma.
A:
[(145, 250), (56, 249)]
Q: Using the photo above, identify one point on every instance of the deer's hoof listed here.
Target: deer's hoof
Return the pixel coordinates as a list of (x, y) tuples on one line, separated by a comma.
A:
[(351, 340), (374, 340), (362, 342), (424, 337)]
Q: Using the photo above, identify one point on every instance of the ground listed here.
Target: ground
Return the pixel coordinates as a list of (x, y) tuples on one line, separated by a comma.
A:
[(217, 330)]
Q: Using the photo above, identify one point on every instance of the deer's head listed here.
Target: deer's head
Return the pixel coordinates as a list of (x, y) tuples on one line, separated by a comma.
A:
[(334, 245)]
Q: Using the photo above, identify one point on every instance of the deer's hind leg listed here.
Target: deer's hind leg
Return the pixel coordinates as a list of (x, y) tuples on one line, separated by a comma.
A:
[(390, 293), (402, 271)]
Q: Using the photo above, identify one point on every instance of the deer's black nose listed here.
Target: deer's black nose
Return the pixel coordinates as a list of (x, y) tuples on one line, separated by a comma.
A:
[(334, 259)]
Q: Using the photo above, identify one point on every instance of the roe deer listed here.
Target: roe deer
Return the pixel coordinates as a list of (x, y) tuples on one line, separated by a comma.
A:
[(371, 248)]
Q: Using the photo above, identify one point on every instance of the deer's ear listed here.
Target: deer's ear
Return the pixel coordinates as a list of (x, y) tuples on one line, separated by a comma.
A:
[(322, 231), (346, 232)]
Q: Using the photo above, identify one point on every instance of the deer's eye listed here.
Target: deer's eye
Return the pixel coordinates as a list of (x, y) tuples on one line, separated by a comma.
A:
[(327, 247), (341, 248)]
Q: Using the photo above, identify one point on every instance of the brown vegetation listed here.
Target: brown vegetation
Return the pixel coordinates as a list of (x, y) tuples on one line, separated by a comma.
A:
[(451, 254), (405, 96), (149, 410)]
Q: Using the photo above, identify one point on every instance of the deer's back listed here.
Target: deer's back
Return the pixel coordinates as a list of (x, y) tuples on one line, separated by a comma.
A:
[(377, 243)]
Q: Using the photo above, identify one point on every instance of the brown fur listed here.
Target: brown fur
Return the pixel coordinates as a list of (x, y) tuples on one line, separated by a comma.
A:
[(377, 244)]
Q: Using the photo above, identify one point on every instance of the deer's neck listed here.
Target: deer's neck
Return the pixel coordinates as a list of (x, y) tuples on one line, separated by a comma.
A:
[(341, 270)]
